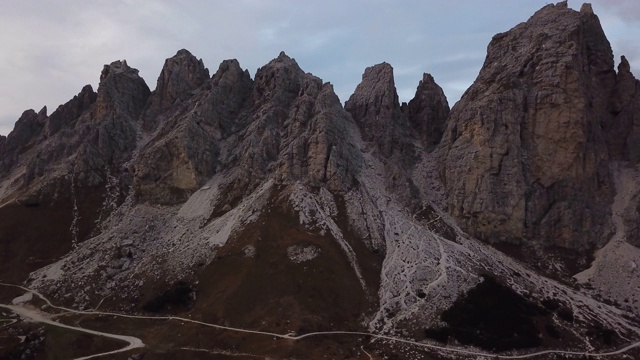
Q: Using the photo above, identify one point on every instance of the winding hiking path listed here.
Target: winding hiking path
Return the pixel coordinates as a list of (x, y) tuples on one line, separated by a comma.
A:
[(136, 343), (41, 318)]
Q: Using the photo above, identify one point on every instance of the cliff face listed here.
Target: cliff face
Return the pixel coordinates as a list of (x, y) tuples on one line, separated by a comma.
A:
[(428, 112), (375, 107), (623, 128), (524, 153), (79, 144), (284, 123)]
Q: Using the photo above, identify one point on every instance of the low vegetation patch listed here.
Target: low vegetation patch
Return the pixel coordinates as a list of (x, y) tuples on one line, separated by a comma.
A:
[(179, 297), (494, 317)]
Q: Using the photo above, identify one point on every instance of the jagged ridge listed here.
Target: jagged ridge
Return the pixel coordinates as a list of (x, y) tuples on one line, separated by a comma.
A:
[(267, 196)]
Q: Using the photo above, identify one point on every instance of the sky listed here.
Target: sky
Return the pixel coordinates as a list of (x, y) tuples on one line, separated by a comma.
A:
[(50, 49)]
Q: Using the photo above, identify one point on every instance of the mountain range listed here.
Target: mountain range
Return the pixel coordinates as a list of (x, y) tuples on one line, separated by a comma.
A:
[(224, 216)]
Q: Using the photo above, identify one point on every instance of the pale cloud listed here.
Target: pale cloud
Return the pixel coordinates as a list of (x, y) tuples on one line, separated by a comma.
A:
[(626, 10), (50, 49)]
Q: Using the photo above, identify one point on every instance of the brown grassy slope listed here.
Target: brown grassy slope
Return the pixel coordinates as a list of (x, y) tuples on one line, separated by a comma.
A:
[(269, 291), (36, 234)]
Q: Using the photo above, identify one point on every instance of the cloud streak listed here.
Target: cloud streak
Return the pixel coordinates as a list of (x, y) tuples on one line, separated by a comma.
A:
[(52, 49)]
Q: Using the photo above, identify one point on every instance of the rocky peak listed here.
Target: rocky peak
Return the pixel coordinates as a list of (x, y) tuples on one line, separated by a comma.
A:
[(185, 152), (586, 9), (121, 90), (117, 67), (26, 129), (70, 111), (181, 74), (317, 148), (428, 111), (229, 74), (375, 107), (624, 67), (25, 132), (42, 114), (623, 127), (375, 96), (525, 156), (625, 88), (280, 80)]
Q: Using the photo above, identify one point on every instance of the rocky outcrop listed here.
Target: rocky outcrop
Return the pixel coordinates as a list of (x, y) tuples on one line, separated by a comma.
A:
[(523, 155), (623, 128), (375, 107), (398, 134), (303, 124), (121, 91), (428, 111), (68, 113), (92, 134), (25, 133), (107, 136), (285, 123), (181, 75), (184, 152)]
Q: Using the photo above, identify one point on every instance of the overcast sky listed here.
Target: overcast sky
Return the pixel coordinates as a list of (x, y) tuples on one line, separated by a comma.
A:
[(51, 49)]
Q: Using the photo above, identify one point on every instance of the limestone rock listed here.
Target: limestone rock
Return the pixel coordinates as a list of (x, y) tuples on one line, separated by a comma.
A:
[(428, 111), (25, 134), (184, 152), (317, 149), (88, 136), (398, 134), (296, 130), (314, 146), (121, 90), (623, 128), (70, 111), (285, 124), (523, 155), (375, 107), (107, 136), (181, 75)]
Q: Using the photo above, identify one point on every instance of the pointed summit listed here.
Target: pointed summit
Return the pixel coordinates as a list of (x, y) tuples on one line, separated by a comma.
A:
[(281, 79), (117, 67), (375, 107), (428, 111), (121, 89), (70, 111), (623, 130), (181, 74)]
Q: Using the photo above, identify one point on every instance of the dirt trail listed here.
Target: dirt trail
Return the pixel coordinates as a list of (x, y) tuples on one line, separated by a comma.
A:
[(136, 343), (37, 316)]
